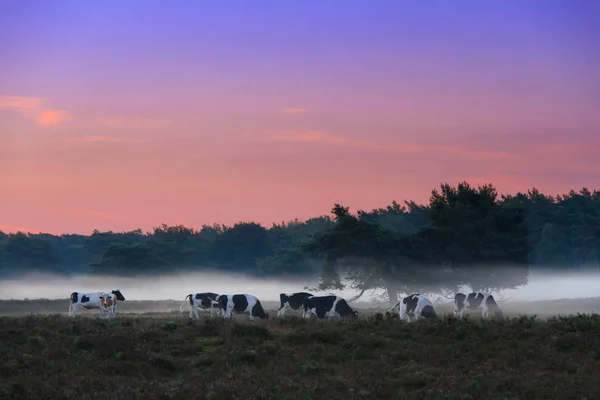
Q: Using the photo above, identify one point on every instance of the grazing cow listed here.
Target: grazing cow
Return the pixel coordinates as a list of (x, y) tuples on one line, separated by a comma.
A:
[(476, 301), (292, 301), (108, 304), (91, 300), (241, 303), (204, 301), (327, 306), (416, 306)]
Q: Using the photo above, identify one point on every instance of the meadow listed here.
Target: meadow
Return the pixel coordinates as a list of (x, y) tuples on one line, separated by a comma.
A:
[(152, 351)]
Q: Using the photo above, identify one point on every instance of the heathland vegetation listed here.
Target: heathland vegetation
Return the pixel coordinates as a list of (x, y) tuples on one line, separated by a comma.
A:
[(377, 357), (465, 235)]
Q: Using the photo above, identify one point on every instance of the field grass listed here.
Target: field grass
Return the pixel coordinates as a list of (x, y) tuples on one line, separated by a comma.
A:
[(165, 356)]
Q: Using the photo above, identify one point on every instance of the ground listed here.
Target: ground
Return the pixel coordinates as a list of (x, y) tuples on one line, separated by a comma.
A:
[(162, 355)]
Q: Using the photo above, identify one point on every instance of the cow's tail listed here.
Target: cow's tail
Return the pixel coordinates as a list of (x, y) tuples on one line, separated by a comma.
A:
[(282, 299), (72, 299), (397, 305), (184, 301)]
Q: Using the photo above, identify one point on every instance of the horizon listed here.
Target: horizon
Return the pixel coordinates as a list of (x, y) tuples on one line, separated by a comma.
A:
[(7, 229), (121, 116)]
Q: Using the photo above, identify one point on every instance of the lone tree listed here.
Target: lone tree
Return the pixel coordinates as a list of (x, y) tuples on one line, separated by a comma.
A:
[(472, 238)]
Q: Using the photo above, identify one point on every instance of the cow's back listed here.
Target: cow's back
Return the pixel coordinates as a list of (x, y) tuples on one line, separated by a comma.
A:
[(410, 302), (320, 305), (295, 300), (90, 299)]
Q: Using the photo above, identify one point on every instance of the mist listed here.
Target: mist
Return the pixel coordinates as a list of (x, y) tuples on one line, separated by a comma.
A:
[(171, 287), (541, 286)]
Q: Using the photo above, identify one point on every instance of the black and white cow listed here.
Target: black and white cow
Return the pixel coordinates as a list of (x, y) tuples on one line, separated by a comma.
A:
[(415, 305), (476, 301), (241, 303), (292, 301), (90, 300), (327, 306), (204, 301)]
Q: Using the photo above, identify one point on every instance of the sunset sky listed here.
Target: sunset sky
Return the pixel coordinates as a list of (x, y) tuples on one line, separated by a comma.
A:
[(119, 115)]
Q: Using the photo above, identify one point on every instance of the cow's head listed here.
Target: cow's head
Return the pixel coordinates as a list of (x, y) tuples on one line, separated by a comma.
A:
[(119, 295), (354, 314), (106, 300)]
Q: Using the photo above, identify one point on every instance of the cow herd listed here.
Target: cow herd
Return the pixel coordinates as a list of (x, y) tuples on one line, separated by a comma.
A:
[(411, 307)]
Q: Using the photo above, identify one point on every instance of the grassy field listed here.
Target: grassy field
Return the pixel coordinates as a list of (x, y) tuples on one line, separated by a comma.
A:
[(158, 355)]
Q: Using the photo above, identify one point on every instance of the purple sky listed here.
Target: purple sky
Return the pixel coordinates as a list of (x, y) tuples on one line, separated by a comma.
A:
[(125, 114)]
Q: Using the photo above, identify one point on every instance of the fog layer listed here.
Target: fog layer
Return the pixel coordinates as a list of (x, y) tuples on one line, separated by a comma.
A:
[(541, 286)]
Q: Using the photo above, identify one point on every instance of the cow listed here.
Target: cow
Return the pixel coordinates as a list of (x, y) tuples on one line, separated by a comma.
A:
[(292, 301), (475, 301), (241, 303), (327, 306), (108, 304), (415, 305), (90, 300), (204, 301)]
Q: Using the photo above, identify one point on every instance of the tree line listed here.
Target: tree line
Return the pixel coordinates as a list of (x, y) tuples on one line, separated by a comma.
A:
[(465, 235)]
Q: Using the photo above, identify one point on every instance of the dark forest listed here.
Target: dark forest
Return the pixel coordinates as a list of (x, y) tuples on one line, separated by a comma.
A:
[(465, 235)]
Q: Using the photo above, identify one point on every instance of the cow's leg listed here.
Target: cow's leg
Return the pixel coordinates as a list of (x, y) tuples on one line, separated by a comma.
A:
[(196, 312), (458, 313), (229, 310), (74, 309), (484, 314), (402, 312), (306, 314), (418, 310)]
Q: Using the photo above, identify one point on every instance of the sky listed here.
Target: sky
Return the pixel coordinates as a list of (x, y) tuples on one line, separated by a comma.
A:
[(121, 115)]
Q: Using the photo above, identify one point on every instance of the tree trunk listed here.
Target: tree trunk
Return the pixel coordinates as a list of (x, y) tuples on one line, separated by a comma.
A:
[(392, 292)]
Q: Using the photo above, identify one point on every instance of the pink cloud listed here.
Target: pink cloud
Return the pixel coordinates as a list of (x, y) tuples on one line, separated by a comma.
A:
[(50, 117), (99, 214), (322, 137), (570, 148), (96, 139), (14, 229), (20, 103), (33, 108), (131, 122)]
